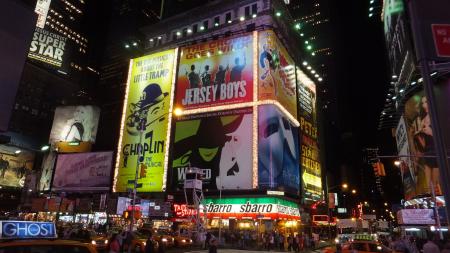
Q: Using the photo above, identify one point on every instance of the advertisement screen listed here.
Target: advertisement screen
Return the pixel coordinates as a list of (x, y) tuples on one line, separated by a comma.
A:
[(48, 164), (147, 105), (421, 143), (14, 166), (278, 153), (75, 124), (48, 47), (309, 152), (218, 72), (406, 162), (124, 204), (220, 144), (276, 70), (83, 172)]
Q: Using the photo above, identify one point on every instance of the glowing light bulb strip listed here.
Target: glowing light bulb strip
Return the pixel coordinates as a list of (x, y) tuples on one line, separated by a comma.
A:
[(255, 111), (169, 121), (122, 126)]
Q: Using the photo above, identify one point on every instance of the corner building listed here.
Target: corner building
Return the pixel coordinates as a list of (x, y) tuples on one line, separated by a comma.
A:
[(226, 91)]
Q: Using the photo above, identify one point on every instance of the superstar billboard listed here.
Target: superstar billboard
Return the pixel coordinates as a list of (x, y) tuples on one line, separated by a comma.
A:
[(14, 166), (48, 47), (75, 124), (276, 72), (146, 108), (220, 144), (421, 143), (218, 72), (278, 153), (83, 172), (311, 172)]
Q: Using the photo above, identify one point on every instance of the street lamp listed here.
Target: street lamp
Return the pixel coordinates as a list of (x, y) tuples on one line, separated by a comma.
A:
[(397, 163), (354, 191), (344, 185), (385, 203)]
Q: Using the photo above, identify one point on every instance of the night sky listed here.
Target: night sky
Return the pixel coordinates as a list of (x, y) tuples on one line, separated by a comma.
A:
[(362, 79)]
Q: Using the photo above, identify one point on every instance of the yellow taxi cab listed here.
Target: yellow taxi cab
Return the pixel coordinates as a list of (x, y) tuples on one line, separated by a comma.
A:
[(99, 241), (139, 242), (162, 237), (362, 244), (182, 241), (25, 236)]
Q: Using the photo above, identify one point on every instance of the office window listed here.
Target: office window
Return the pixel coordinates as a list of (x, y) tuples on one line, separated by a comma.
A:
[(247, 11), (228, 17), (205, 24), (184, 32), (217, 21), (195, 28), (254, 8)]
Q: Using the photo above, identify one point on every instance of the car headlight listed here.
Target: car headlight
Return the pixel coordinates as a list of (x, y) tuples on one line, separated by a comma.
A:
[(183, 240), (106, 241), (164, 240), (144, 243), (336, 240), (93, 242), (379, 248)]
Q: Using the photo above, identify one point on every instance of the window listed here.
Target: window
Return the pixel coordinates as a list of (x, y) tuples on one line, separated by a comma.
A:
[(205, 24), (247, 11), (174, 36), (217, 21), (254, 8), (195, 28), (228, 17), (184, 32)]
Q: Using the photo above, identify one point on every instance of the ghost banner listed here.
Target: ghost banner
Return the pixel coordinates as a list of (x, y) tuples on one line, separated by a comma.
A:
[(146, 109), (218, 72), (218, 143)]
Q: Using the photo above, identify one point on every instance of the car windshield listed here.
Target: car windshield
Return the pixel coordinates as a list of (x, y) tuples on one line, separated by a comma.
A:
[(44, 249)]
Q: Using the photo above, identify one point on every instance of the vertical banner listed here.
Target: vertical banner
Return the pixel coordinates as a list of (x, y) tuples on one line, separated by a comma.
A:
[(220, 144), (310, 153), (215, 73), (41, 9), (421, 142), (278, 154), (406, 164), (276, 70), (148, 100), (48, 165)]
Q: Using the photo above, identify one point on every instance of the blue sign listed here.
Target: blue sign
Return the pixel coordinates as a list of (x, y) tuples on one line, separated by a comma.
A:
[(27, 230)]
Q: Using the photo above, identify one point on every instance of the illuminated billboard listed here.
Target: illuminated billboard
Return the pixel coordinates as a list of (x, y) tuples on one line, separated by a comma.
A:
[(220, 144), (47, 47), (42, 7), (420, 138), (276, 72), (75, 124), (251, 208), (83, 172), (147, 107), (406, 162), (48, 164), (278, 153), (14, 166), (311, 172), (217, 72)]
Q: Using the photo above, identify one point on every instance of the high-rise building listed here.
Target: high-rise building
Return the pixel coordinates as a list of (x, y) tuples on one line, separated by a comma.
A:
[(228, 92)]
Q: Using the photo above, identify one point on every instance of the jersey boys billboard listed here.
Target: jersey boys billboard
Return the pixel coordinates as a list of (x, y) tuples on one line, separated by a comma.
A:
[(218, 72), (219, 143), (276, 77), (147, 102)]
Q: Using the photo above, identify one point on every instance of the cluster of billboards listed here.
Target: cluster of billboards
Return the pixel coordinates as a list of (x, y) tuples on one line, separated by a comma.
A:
[(239, 138)]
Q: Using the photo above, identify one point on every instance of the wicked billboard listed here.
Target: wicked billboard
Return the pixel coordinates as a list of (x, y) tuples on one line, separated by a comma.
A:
[(214, 73), (278, 154), (219, 143), (145, 117)]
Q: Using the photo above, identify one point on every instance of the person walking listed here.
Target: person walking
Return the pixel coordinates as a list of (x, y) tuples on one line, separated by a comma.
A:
[(430, 246), (212, 246), (290, 243), (114, 246), (281, 242), (149, 244)]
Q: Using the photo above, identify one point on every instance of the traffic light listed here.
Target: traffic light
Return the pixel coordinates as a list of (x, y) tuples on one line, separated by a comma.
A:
[(378, 169), (142, 170), (127, 214)]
